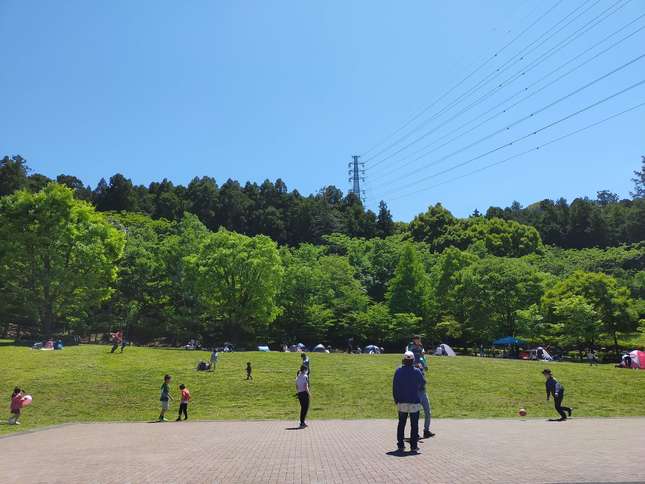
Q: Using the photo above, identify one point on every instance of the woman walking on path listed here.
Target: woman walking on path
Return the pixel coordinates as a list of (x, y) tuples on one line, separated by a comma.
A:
[(302, 391)]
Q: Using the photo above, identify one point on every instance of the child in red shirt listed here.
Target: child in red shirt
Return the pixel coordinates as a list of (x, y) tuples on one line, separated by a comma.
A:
[(183, 405), (16, 405)]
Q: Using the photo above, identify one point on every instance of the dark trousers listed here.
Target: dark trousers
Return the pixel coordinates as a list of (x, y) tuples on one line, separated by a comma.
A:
[(114, 347), (183, 408), (303, 397), (414, 429), (558, 406)]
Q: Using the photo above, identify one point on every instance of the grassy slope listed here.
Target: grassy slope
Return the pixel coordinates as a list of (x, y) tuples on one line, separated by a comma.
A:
[(87, 383)]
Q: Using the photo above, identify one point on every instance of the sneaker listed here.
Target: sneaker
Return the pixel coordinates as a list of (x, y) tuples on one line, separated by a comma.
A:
[(178, 419), (427, 434), (416, 450), (16, 423), (400, 448), (163, 419), (570, 411), (303, 425)]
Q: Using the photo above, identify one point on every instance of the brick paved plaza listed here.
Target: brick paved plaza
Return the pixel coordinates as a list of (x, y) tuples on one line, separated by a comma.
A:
[(579, 450)]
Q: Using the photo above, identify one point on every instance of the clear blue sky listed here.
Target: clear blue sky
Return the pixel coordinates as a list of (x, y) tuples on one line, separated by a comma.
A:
[(291, 89)]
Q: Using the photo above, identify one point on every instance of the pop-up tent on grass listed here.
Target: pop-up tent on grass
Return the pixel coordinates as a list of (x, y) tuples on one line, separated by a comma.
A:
[(320, 349), (444, 350)]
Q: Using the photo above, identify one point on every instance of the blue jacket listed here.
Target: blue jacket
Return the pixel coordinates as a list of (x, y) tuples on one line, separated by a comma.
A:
[(406, 385)]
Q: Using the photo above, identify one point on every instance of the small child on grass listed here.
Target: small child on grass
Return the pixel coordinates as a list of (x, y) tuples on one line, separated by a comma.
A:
[(16, 406), (165, 398), (249, 370), (183, 405)]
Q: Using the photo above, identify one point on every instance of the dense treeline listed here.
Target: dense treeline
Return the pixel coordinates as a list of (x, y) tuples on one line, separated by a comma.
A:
[(70, 261), (269, 209)]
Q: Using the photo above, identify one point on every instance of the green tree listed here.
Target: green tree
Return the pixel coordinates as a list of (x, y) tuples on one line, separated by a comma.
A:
[(409, 289), (578, 320), (58, 256), (639, 181), (429, 226), (488, 294), (238, 278), (13, 174), (611, 302)]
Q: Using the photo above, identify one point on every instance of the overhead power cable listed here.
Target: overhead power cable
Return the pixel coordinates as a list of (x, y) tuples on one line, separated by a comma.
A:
[(521, 120), (458, 84), (526, 136), (562, 44), (425, 153), (518, 57), (518, 155)]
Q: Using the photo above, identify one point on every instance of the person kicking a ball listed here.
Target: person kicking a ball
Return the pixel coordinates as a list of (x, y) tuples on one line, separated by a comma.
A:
[(555, 388)]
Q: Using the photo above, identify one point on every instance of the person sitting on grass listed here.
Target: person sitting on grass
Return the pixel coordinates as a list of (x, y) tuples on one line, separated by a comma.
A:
[(16, 406), (165, 398), (406, 386), (183, 405), (553, 387), (249, 371)]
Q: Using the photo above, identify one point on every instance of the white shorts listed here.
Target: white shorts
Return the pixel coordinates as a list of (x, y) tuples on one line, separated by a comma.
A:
[(408, 407)]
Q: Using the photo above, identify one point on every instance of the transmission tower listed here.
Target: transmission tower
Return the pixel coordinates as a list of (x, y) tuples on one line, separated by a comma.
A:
[(356, 172)]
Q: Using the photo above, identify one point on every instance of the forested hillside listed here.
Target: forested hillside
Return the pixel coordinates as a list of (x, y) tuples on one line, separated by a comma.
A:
[(260, 263)]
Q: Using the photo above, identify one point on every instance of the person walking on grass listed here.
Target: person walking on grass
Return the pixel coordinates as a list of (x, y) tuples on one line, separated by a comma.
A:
[(406, 385), (416, 347), (305, 363), (425, 404), (183, 404), (303, 394), (165, 398), (214, 358), (555, 388), (16, 406), (249, 371)]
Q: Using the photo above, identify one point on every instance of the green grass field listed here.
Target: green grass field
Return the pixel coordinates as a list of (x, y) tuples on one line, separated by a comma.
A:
[(88, 384)]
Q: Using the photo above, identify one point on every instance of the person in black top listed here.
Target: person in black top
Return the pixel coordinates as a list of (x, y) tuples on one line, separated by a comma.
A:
[(553, 387), (249, 370)]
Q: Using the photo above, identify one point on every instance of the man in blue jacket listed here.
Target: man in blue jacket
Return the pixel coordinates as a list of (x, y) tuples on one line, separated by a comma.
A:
[(405, 388)]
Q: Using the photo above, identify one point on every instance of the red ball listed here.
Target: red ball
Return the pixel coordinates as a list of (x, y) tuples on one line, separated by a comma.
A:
[(522, 412)]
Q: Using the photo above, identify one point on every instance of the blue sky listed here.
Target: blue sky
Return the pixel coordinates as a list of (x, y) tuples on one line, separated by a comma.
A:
[(253, 90)]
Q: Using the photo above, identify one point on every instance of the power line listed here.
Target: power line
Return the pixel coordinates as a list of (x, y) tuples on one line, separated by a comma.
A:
[(521, 120), (520, 56), (562, 44), (532, 133), (472, 73), (539, 147), (521, 91)]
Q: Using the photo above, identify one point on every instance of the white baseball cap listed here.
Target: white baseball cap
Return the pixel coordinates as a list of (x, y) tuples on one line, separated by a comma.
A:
[(408, 355)]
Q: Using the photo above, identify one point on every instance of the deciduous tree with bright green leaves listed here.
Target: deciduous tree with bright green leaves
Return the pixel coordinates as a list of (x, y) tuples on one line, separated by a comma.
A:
[(409, 289), (611, 302), (58, 257), (238, 278)]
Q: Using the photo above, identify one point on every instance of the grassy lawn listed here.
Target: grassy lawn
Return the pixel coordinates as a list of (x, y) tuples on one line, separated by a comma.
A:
[(87, 383)]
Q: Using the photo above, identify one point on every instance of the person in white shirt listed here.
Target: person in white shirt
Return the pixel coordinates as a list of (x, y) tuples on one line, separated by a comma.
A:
[(302, 391)]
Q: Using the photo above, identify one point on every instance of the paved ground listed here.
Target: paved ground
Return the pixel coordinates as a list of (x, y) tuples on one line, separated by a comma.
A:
[(579, 450)]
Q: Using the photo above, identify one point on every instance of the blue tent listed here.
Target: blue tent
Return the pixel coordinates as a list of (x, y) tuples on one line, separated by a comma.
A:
[(507, 341)]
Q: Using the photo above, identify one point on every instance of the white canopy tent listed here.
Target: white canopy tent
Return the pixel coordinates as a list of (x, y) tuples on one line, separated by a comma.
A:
[(444, 350)]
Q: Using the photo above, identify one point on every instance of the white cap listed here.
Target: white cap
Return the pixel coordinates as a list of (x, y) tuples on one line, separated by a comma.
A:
[(408, 355)]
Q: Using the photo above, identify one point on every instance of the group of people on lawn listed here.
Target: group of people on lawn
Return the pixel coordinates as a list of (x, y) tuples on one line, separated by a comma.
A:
[(409, 391)]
